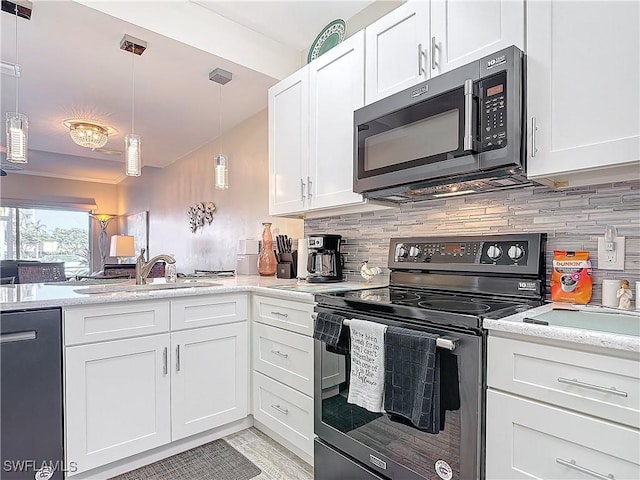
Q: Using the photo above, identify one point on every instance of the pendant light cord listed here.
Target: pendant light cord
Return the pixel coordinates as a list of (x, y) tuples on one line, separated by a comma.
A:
[(17, 77), (220, 115), (133, 85)]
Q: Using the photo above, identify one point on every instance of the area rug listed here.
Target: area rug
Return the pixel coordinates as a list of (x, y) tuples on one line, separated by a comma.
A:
[(216, 460)]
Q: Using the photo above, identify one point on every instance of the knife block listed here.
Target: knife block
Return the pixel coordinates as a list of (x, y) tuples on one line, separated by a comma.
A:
[(287, 265)]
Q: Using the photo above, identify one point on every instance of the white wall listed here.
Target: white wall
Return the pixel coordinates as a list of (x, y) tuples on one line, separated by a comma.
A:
[(168, 193)]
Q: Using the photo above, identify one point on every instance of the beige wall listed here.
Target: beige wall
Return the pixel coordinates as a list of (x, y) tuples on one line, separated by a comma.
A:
[(21, 189), (168, 193)]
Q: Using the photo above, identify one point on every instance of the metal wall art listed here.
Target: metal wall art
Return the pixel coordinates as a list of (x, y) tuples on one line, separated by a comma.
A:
[(199, 214)]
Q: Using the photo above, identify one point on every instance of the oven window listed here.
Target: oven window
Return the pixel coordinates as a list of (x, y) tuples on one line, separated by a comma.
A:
[(399, 441), (424, 138)]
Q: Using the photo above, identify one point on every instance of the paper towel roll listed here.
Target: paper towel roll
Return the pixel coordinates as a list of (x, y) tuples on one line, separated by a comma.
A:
[(609, 289), (303, 253)]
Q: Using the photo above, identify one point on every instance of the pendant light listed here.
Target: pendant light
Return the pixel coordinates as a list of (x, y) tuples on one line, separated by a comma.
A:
[(221, 77), (132, 152), (17, 123)]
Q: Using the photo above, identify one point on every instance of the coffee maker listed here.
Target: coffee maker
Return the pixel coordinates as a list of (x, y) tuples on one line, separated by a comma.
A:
[(324, 262)]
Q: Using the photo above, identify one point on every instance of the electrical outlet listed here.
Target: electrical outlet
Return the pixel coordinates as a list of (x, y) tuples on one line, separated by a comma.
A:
[(611, 259)]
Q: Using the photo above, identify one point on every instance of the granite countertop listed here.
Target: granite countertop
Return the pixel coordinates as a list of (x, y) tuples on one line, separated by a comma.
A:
[(43, 295), (588, 325)]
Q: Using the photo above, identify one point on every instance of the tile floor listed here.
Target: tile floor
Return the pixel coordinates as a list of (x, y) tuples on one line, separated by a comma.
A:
[(275, 461)]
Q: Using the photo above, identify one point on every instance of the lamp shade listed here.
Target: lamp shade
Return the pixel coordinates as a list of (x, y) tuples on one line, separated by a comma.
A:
[(122, 246)]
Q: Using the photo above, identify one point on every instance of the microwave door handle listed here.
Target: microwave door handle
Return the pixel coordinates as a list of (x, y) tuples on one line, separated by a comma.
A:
[(468, 115)]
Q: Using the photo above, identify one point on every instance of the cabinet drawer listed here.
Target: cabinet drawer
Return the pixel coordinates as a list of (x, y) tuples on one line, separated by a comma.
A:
[(114, 321), (526, 439), (593, 383), (294, 316), (284, 356), (208, 310), (284, 410)]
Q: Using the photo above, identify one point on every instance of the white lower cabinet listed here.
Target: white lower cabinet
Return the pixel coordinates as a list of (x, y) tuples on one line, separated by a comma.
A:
[(118, 399)]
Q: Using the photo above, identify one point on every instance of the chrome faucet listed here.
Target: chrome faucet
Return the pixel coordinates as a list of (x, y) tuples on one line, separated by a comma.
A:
[(143, 269)]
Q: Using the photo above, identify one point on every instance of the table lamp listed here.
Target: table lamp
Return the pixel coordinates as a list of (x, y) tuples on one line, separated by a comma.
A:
[(122, 247)]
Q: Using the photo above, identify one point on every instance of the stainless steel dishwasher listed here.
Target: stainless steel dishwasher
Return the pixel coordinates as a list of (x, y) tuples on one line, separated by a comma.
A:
[(31, 394)]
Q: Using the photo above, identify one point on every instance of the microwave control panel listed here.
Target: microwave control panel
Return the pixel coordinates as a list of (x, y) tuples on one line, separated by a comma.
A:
[(493, 111)]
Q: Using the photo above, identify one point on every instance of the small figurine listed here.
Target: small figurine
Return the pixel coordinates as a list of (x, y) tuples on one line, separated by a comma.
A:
[(624, 295), (369, 272)]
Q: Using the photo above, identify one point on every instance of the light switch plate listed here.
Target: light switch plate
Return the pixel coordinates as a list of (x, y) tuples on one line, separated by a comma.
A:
[(611, 260)]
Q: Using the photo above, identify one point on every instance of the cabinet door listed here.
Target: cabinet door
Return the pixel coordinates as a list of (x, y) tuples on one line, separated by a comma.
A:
[(210, 378), (396, 48), (466, 30), (583, 72), (336, 90), (117, 399), (288, 143)]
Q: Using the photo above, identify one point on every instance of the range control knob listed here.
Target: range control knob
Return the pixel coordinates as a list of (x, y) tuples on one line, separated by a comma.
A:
[(494, 252), (401, 251), (415, 252), (515, 252)]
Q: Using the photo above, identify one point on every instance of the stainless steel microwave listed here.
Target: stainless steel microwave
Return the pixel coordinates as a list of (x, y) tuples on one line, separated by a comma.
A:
[(461, 132)]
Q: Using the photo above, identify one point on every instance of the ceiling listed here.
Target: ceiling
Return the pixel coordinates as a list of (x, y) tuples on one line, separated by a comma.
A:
[(72, 67)]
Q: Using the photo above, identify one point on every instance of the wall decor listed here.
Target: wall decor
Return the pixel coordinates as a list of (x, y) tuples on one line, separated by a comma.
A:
[(199, 214), (138, 226)]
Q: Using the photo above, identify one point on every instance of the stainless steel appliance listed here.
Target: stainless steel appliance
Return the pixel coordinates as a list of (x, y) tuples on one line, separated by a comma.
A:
[(443, 286), (31, 394), (324, 259), (462, 131)]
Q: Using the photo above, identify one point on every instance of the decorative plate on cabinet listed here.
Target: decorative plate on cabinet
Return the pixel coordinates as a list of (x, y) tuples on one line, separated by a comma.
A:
[(328, 38)]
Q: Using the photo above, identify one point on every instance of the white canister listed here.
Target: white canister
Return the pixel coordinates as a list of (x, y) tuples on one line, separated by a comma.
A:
[(303, 253), (610, 288)]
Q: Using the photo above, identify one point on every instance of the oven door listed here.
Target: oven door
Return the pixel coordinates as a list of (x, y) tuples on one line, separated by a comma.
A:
[(396, 450)]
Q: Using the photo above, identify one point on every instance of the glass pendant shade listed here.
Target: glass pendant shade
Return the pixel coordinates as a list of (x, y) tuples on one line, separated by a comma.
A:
[(17, 137), (222, 172), (88, 135), (133, 162)]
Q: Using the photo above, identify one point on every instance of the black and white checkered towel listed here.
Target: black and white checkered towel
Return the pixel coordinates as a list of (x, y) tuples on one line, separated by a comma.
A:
[(412, 378), (327, 328)]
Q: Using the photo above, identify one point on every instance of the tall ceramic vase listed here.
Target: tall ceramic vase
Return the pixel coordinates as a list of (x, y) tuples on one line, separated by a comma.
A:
[(267, 258)]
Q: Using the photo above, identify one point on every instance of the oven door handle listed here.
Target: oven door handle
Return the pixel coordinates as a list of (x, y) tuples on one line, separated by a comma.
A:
[(444, 342)]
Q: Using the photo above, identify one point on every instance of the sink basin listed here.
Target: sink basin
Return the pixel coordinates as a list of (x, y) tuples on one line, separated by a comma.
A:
[(152, 287)]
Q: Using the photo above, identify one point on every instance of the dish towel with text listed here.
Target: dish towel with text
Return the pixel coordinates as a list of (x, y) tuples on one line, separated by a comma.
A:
[(412, 380), (366, 384)]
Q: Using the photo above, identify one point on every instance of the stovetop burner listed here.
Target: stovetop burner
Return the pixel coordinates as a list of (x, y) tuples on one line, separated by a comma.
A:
[(456, 306)]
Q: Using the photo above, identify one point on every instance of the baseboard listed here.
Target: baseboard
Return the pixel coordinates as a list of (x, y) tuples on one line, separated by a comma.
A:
[(282, 441), (179, 446)]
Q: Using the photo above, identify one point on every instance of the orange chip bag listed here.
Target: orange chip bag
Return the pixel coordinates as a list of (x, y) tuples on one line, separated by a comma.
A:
[(571, 277)]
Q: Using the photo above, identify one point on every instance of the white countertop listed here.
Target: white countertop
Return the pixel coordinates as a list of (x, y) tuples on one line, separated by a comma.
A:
[(42, 295), (590, 326)]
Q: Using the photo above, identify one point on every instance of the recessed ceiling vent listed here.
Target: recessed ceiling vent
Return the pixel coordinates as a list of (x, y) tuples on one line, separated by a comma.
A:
[(23, 9), (220, 76), (133, 44)]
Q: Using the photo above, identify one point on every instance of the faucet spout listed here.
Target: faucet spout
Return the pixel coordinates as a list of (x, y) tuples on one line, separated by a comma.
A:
[(143, 268)]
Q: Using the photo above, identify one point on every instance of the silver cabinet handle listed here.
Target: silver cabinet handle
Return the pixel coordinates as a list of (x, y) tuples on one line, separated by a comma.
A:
[(575, 382), (468, 115), (280, 409), (302, 189), (434, 47), (278, 314), (164, 361), (575, 466), (420, 55), (178, 358), (534, 127), (280, 354), (18, 336), (309, 190)]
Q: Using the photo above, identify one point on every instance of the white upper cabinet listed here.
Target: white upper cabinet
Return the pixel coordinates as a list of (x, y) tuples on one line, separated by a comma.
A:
[(583, 91), (288, 143), (465, 30), (397, 47), (336, 89), (422, 39)]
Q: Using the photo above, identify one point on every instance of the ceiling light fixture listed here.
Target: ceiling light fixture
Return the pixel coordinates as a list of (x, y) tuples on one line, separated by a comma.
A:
[(132, 153), (87, 134), (17, 123), (221, 77)]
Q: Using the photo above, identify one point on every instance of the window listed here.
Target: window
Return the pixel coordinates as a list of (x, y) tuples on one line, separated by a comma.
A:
[(46, 235)]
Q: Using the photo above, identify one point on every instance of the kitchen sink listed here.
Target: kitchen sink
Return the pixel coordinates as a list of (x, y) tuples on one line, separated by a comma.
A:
[(152, 287)]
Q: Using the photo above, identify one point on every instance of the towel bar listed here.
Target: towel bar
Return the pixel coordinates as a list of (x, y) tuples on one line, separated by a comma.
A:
[(447, 343)]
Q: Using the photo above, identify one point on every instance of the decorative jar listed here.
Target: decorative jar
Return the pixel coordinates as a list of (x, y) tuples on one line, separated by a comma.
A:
[(267, 258)]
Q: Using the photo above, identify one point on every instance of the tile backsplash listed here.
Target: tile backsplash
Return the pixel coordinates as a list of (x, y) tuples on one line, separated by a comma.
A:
[(573, 220)]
